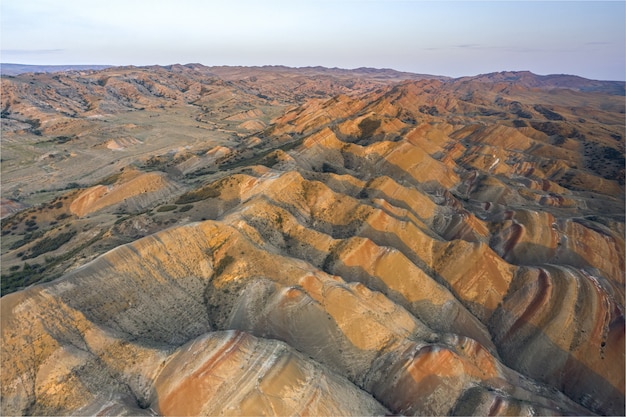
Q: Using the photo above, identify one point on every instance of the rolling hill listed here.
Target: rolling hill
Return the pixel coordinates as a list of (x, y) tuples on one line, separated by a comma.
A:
[(190, 240)]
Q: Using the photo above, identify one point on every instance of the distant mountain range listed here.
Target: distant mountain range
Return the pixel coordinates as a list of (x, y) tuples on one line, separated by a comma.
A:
[(528, 79), (16, 69), (525, 78)]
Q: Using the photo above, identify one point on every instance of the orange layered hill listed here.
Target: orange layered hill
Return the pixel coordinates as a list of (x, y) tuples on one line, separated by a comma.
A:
[(279, 241)]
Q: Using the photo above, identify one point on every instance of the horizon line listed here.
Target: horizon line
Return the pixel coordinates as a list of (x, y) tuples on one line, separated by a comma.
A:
[(106, 66)]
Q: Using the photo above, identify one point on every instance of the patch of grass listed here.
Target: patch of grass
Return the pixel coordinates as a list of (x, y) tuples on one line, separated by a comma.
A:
[(28, 237), (157, 163), (18, 279), (35, 124), (48, 244), (223, 264), (185, 208), (167, 207), (209, 191), (547, 113), (432, 110), (270, 160), (328, 168), (200, 172), (62, 139), (35, 273), (71, 186), (368, 127), (244, 159), (110, 180)]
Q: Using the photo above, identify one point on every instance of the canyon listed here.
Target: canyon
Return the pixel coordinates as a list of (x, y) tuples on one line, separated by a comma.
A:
[(191, 240)]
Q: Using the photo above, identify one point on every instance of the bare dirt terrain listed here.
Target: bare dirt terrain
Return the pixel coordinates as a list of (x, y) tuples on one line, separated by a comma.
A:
[(284, 241)]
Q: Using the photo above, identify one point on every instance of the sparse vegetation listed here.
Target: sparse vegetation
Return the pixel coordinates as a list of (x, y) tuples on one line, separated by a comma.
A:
[(165, 208), (28, 237), (547, 113), (326, 167), (111, 179), (35, 273), (524, 114), (62, 139), (121, 220), (223, 264), (203, 193), (156, 162), (519, 123), (432, 110), (368, 126), (34, 126), (19, 279), (48, 244), (200, 172), (270, 160)]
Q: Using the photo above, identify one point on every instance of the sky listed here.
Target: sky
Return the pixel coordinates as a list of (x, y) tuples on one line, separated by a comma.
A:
[(453, 38)]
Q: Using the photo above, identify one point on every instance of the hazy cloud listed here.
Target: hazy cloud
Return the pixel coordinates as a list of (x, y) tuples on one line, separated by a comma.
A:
[(31, 51), (502, 48), (469, 45)]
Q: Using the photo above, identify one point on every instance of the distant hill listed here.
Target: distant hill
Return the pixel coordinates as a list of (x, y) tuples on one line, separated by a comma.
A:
[(16, 69), (380, 73), (370, 73), (530, 80), (519, 78)]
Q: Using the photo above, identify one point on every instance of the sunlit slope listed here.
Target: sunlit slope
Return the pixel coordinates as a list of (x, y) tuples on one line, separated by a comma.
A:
[(431, 247)]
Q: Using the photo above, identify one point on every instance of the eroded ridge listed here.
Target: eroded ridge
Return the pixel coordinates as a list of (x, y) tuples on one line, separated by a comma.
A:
[(428, 248)]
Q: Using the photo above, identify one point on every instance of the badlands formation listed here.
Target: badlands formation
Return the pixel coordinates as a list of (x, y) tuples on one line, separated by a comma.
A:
[(188, 240)]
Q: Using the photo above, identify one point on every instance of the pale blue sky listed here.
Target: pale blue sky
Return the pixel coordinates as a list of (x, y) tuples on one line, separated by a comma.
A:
[(443, 37)]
